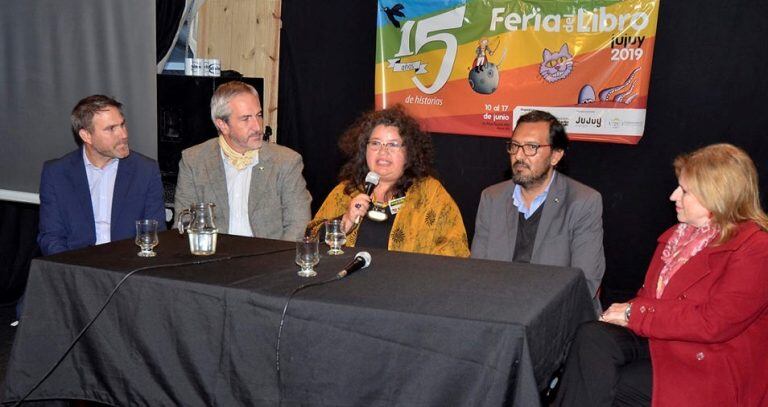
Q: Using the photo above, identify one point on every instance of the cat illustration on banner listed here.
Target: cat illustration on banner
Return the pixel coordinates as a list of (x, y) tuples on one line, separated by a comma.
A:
[(556, 66), (624, 93)]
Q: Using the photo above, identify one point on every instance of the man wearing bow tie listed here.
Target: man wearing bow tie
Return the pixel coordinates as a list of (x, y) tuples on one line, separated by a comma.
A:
[(257, 187)]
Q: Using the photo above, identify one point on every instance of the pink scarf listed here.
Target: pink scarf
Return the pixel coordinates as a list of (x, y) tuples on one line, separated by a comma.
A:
[(685, 243)]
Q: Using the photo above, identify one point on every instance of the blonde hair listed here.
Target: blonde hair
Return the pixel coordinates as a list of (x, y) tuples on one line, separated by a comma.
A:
[(724, 179)]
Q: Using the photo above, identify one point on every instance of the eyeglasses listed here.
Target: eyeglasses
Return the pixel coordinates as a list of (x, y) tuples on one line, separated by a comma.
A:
[(392, 146), (529, 149)]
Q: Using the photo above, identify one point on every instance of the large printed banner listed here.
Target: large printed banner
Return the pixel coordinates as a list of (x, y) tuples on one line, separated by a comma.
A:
[(475, 66)]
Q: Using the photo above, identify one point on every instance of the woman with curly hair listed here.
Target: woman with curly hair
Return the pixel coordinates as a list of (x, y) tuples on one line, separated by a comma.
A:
[(416, 214)]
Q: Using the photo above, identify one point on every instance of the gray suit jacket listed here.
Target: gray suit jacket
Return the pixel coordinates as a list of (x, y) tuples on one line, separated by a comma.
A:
[(278, 201), (570, 232)]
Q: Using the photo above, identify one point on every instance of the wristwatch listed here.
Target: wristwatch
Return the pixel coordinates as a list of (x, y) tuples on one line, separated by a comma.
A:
[(628, 312)]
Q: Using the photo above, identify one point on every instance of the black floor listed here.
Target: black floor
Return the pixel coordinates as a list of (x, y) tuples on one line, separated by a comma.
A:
[(7, 332)]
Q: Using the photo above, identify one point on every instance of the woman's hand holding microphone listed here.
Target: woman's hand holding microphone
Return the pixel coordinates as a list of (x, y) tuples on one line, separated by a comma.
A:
[(358, 207)]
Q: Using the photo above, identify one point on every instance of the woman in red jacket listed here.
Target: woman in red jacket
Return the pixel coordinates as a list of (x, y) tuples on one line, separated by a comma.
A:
[(697, 332)]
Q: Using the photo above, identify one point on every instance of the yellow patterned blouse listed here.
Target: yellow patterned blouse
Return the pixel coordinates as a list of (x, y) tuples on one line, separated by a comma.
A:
[(429, 221)]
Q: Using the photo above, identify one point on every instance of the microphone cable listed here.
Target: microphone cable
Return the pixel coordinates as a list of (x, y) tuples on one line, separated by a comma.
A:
[(280, 331), (360, 261), (112, 294)]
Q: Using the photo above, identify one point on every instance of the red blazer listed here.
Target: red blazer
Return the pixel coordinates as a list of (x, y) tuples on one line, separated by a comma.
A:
[(708, 333)]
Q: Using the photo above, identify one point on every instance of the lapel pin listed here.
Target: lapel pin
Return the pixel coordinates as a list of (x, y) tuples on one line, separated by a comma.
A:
[(557, 200), (261, 168)]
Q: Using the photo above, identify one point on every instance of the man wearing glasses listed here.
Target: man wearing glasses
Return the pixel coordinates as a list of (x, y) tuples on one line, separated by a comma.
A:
[(541, 216)]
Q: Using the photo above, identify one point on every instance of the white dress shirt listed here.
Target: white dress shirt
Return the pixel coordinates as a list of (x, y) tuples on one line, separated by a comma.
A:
[(238, 188), (101, 184)]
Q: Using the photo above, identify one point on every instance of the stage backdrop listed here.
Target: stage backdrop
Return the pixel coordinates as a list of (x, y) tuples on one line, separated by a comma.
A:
[(474, 66), (55, 53)]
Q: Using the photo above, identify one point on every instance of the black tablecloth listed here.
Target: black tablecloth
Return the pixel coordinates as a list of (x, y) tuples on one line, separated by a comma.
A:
[(410, 330)]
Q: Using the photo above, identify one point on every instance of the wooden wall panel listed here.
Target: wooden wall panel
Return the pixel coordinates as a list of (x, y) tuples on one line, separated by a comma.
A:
[(245, 36)]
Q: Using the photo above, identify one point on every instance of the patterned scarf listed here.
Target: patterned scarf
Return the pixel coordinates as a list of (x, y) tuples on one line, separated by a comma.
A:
[(685, 243), (238, 160)]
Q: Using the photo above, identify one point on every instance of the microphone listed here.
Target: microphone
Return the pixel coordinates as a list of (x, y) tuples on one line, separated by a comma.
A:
[(361, 261), (371, 180)]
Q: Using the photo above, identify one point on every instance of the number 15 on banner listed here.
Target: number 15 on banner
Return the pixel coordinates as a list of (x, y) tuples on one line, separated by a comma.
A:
[(424, 34)]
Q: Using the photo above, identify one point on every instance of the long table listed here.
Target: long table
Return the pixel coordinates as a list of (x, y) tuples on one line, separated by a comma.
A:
[(411, 330)]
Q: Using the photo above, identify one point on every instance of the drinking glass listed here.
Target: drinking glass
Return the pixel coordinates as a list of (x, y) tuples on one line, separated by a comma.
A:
[(307, 255), (334, 236), (146, 237)]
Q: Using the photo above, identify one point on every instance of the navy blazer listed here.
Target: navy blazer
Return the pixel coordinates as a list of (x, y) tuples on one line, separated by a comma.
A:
[(66, 213)]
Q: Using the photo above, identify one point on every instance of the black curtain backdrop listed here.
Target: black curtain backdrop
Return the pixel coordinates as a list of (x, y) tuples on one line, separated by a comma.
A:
[(707, 85), (168, 15), (18, 245)]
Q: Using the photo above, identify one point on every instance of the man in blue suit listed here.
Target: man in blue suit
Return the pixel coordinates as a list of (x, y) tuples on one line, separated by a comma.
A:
[(96, 193)]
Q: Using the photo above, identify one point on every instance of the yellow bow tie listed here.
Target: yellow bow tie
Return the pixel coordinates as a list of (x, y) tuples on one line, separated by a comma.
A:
[(237, 160)]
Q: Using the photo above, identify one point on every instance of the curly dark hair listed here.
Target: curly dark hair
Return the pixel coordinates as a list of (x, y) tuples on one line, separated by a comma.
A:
[(419, 152)]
